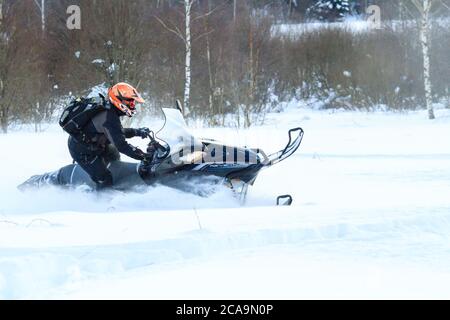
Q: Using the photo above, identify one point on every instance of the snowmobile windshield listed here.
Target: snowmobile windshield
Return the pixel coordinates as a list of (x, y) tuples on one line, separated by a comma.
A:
[(175, 131)]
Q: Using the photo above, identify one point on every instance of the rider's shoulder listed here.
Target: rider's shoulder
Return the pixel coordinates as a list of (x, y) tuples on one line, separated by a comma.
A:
[(100, 100)]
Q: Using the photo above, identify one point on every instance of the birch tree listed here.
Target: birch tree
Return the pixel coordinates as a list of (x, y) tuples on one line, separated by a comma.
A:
[(3, 44), (188, 44), (188, 39), (424, 7), (208, 59), (41, 7)]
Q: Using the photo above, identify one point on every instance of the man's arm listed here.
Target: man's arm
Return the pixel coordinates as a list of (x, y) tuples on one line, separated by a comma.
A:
[(117, 135), (141, 132), (129, 133)]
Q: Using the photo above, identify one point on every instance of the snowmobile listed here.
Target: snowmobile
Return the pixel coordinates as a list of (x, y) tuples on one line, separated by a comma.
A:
[(181, 161)]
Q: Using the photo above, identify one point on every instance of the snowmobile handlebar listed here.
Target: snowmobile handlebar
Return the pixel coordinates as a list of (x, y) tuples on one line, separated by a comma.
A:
[(154, 146), (157, 152), (154, 143)]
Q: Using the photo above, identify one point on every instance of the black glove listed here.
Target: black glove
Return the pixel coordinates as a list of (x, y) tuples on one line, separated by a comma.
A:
[(145, 157), (142, 132), (148, 158), (144, 168), (151, 149)]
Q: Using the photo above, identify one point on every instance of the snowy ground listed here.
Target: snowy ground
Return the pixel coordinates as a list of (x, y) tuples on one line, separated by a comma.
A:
[(370, 219)]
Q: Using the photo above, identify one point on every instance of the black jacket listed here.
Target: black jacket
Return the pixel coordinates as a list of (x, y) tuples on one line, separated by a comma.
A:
[(105, 128)]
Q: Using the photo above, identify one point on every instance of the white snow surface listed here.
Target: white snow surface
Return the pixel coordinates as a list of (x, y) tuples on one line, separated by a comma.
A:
[(351, 24), (370, 219)]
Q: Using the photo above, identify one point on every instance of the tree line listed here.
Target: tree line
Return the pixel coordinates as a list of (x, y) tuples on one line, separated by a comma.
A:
[(220, 57)]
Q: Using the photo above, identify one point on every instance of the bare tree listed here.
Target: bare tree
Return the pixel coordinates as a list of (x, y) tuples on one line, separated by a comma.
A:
[(188, 43), (41, 7), (8, 51), (187, 39), (424, 7), (208, 59)]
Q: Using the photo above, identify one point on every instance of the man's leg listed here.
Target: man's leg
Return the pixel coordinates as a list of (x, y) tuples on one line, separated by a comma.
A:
[(94, 165), (111, 153), (98, 171)]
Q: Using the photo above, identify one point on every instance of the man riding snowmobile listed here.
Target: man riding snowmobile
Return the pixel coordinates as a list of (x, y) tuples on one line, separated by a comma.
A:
[(96, 134), (176, 159)]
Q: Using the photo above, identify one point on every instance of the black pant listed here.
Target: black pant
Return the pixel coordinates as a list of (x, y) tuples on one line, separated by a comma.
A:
[(94, 161)]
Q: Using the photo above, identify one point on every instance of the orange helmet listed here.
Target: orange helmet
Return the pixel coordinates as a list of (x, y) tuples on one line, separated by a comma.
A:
[(124, 97)]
